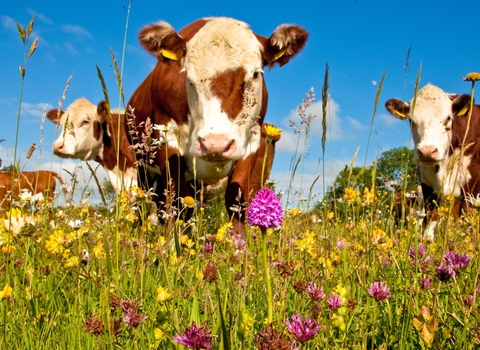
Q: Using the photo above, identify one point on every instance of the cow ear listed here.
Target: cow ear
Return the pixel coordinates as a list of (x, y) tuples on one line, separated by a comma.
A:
[(54, 115), (398, 108), (461, 105), (161, 40), (286, 41), (102, 110)]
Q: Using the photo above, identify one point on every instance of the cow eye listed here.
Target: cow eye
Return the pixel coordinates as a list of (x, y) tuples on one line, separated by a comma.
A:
[(85, 122)]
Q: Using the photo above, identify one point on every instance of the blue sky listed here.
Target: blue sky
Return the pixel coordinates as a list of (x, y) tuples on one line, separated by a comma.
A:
[(360, 40)]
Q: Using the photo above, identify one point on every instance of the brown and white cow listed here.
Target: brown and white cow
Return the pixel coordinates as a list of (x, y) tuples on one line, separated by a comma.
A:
[(89, 132), (41, 184), (208, 90), (438, 122)]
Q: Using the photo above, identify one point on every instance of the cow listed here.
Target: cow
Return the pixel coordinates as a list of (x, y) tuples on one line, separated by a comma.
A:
[(208, 92), (40, 183), (91, 132), (448, 157)]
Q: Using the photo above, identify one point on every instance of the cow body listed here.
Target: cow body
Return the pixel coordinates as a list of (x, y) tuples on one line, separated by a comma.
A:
[(439, 129), (41, 184), (208, 92), (90, 132)]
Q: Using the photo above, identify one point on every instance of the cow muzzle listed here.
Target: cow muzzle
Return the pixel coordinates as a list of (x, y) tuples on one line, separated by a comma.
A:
[(216, 147), (429, 154)]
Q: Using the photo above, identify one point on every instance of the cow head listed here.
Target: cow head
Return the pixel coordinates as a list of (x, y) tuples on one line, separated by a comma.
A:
[(223, 61), (430, 116), (81, 134)]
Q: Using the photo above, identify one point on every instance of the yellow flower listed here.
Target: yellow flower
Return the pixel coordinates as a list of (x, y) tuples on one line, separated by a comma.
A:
[(294, 212), (158, 333), (350, 195), (189, 202), (368, 197), (98, 251), (72, 261), (330, 215), (199, 275), (472, 77), (307, 243), (222, 231), (272, 130), (6, 292), (162, 294)]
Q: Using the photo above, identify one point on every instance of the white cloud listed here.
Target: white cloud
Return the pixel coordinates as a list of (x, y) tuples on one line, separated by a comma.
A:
[(76, 30), (288, 140), (8, 22), (39, 16), (355, 124), (34, 109)]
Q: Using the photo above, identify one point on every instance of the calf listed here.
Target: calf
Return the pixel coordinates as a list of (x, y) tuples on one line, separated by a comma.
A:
[(91, 132), (40, 183), (448, 157), (208, 91)]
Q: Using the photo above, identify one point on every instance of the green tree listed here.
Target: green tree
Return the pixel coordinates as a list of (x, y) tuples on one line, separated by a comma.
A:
[(397, 168), (356, 177)]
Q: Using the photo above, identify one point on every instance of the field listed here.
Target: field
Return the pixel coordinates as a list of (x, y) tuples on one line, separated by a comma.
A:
[(346, 274)]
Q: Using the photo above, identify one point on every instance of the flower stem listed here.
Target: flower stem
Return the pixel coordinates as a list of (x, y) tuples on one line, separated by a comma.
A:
[(266, 270)]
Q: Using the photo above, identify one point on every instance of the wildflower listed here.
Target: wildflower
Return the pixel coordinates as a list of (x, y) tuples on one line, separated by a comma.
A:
[(26, 195), (379, 291), (472, 77), (334, 301), (210, 274), (189, 202), (132, 316), (223, 230), (271, 339), (303, 331), (72, 261), (340, 244), (93, 325), (368, 197), (300, 286), (456, 261), (445, 272), (470, 300), (315, 293), (350, 195), (265, 210), (339, 322), (420, 252), (475, 201), (272, 131), (208, 248), (162, 294), (75, 224), (195, 337), (6, 292), (98, 251), (425, 283)]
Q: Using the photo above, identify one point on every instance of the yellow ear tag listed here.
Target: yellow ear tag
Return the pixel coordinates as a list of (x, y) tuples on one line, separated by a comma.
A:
[(169, 54), (279, 54), (400, 115), (463, 111)]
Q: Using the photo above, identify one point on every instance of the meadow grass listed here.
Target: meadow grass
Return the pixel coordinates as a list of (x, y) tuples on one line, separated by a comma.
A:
[(347, 276)]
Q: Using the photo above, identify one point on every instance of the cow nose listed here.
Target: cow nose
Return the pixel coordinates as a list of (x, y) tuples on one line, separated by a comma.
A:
[(58, 147), (428, 153), (216, 146)]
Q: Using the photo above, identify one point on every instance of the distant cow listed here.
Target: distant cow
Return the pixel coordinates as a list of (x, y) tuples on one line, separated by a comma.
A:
[(208, 91), (89, 132), (41, 184), (438, 123)]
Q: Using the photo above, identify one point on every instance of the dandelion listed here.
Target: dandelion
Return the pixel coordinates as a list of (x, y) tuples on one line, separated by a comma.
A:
[(272, 131), (162, 294), (334, 302), (265, 210), (195, 337), (368, 197), (379, 291), (6, 292), (302, 330)]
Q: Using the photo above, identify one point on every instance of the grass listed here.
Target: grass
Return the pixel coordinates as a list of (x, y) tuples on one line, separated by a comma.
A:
[(85, 276)]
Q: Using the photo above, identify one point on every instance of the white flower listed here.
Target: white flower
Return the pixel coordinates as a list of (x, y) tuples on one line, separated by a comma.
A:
[(26, 195), (475, 201), (75, 224)]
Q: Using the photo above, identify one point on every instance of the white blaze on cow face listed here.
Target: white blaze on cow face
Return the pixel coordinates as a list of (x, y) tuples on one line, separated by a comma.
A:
[(225, 88), (430, 121), (81, 133)]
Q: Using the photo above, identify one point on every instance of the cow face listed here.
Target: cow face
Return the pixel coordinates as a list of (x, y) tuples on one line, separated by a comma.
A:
[(81, 134), (223, 62), (430, 116)]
